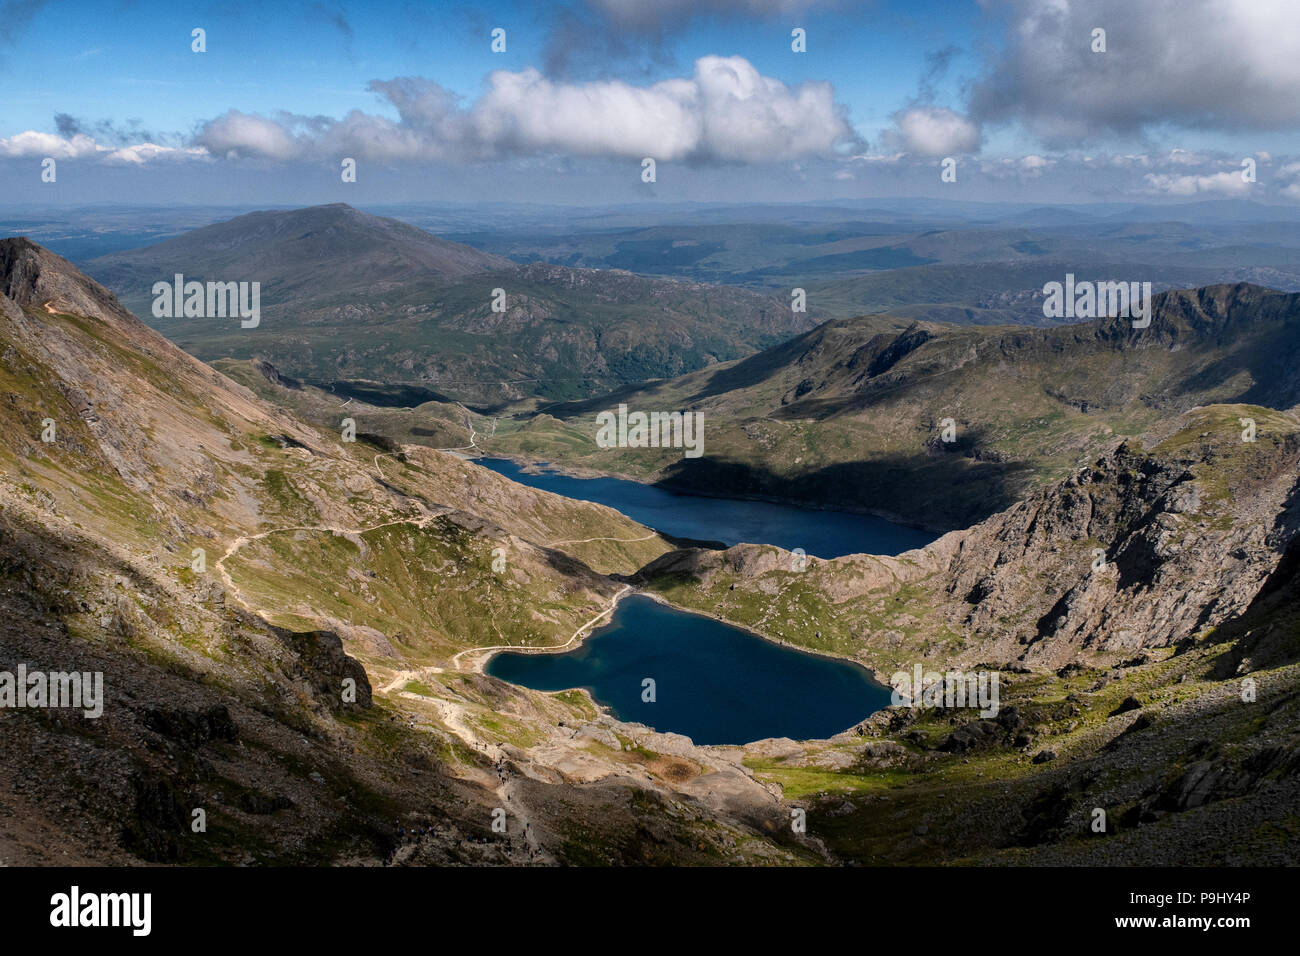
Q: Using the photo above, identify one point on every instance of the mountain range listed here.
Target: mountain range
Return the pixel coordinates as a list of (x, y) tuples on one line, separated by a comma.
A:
[(855, 413), (291, 625)]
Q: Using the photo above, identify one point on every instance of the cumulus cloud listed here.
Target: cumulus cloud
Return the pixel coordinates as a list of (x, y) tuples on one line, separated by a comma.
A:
[(143, 153), (235, 133), (34, 145), (1216, 184), (936, 131), (1206, 64), (725, 111), (1288, 176)]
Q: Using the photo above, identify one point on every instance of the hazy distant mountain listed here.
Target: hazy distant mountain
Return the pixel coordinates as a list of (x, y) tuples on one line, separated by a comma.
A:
[(844, 262), (293, 252), (346, 295)]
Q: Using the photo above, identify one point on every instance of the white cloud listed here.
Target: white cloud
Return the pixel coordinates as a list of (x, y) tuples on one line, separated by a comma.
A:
[(148, 152), (1009, 167), (936, 131), (1034, 164), (1185, 157), (237, 133), (1289, 175), (33, 144), (725, 111), (1220, 184)]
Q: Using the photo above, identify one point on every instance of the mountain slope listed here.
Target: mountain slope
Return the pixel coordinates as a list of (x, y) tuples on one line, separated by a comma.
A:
[(294, 251), (1159, 541), (280, 617)]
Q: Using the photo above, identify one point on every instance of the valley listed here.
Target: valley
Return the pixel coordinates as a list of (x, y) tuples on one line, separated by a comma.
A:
[(325, 669)]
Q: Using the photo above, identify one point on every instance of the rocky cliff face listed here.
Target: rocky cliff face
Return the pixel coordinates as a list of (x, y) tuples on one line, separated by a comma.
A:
[(1144, 549)]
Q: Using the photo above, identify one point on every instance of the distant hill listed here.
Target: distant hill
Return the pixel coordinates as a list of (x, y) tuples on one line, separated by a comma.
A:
[(293, 253), (346, 295), (922, 251)]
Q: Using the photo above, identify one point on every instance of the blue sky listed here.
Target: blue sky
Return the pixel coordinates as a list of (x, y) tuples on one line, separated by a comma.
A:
[(133, 60), (885, 91)]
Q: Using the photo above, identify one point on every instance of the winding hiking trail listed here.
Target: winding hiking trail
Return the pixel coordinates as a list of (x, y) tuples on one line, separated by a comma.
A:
[(644, 537), (469, 423), (613, 603)]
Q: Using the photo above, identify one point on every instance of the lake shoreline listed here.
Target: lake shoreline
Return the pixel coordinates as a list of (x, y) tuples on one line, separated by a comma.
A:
[(780, 642), (792, 677), (534, 466), (481, 659)]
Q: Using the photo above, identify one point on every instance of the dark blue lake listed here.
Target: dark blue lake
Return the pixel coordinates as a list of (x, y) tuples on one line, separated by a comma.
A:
[(822, 534), (714, 683)]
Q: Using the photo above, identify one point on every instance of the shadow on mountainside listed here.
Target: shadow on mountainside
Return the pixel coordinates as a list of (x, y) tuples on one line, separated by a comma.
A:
[(943, 490)]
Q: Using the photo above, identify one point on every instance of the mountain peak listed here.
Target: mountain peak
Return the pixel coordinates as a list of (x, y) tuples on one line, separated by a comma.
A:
[(333, 246), (31, 275)]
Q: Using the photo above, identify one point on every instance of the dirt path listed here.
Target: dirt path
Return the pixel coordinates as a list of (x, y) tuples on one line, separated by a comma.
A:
[(644, 537), (477, 664), (469, 423)]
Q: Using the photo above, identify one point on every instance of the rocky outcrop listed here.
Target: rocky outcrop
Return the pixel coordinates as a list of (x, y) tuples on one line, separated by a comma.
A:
[(1144, 549)]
